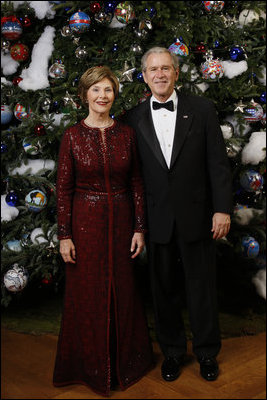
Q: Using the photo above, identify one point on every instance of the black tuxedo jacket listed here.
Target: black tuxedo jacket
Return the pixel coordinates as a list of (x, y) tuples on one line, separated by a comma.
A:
[(198, 182)]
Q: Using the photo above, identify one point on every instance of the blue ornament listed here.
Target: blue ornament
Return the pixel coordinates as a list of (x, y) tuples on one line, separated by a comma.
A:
[(14, 245), (236, 53), (250, 247), (3, 148), (6, 114), (150, 12), (251, 180), (216, 43), (115, 47), (263, 97), (79, 22), (110, 6), (12, 199), (140, 77)]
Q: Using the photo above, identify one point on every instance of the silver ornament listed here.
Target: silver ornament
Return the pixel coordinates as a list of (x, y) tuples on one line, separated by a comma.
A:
[(66, 31), (136, 48), (232, 150), (140, 33), (5, 46), (103, 18), (57, 71), (81, 52), (45, 104)]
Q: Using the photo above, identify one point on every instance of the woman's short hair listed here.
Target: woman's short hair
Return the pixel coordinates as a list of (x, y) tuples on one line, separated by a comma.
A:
[(174, 57), (94, 75)]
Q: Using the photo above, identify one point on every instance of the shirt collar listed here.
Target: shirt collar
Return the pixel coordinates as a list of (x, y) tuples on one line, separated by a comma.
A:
[(172, 97)]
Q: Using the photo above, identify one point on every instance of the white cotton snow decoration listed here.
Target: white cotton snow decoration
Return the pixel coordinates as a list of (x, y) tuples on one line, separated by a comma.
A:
[(43, 9), (233, 69), (8, 65), (259, 281), (35, 77), (34, 167), (243, 216), (7, 212), (255, 150), (203, 86)]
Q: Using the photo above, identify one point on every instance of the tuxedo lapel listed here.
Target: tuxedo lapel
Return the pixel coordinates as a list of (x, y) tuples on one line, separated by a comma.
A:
[(147, 129), (183, 122)]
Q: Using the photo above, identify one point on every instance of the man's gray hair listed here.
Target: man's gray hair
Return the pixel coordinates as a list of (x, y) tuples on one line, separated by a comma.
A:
[(175, 60)]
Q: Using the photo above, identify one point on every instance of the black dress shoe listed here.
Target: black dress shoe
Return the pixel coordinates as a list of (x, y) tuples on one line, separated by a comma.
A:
[(171, 368), (209, 369)]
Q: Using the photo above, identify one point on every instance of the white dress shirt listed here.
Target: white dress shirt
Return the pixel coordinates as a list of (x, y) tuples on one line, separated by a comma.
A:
[(164, 123)]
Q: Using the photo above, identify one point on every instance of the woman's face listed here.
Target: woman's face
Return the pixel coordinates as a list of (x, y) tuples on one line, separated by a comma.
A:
[(100, 97)]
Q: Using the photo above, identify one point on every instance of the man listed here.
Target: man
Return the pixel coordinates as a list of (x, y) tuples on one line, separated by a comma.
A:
[(188, 187)]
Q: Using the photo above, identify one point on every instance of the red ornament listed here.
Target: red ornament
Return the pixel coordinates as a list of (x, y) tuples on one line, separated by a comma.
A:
[(19, 52), (47, 281), (200, 48), (26, 22), (39, 130), (17, 80), (95, 7)]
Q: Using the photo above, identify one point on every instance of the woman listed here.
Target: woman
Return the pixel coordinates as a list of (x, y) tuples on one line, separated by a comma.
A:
[(104, 336)]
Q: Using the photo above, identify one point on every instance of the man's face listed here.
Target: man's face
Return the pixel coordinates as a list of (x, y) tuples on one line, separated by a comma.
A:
[(160, 75)]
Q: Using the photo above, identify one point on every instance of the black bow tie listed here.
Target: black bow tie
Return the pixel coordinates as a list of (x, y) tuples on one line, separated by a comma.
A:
[(169, 105)]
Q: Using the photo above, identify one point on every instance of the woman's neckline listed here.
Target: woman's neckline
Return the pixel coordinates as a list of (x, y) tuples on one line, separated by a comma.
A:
[(97, 127)]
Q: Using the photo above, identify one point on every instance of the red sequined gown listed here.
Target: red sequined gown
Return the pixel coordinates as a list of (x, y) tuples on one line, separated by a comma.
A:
[(100, 206)]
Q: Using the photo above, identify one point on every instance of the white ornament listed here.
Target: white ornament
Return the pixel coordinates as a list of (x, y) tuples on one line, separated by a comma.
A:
[(16, 278), (247, 17)]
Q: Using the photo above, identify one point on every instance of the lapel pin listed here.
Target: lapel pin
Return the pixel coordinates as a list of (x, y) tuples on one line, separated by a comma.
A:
[(185, 116)]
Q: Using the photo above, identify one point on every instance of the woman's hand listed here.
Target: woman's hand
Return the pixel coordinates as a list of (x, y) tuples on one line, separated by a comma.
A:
[(67, 250), (138, 244)]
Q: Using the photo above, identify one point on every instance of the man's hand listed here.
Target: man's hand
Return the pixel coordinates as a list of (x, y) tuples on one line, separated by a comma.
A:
[(220, 225)]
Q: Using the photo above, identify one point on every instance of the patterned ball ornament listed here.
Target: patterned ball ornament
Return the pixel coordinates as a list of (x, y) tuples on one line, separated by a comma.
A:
[(36, 200), (179, 48), (211, 69), (124, 12), (21, 112), (253, 112), (11, 28), (79, 22), (250, 247), (16, 278), (6, 114), (29, 148), (19, 52), (251, 181), (213, 5)]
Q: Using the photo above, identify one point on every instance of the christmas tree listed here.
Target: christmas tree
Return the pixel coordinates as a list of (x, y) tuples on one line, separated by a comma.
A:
[(47, 46)]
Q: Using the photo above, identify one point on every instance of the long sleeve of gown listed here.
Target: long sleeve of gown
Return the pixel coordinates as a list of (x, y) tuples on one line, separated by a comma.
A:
[(65, 187), (137, 188)]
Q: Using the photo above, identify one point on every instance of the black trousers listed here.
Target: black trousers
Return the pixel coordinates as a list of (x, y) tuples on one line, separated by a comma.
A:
[(199, 265)]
